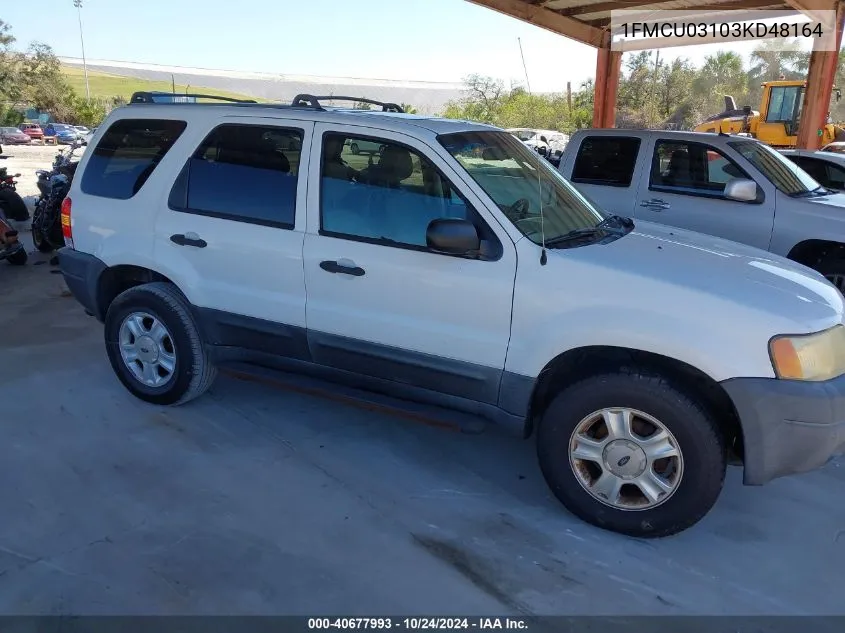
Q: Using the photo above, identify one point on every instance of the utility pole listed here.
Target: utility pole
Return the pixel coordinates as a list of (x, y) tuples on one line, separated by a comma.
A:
[(569, 96), (653, 87), (78, 5)]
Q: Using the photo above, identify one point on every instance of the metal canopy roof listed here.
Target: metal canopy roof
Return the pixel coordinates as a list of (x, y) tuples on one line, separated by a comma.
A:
[(588, 21)]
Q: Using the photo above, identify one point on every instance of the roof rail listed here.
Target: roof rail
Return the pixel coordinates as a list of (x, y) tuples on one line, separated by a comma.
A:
[(311, 101), (172, 97)]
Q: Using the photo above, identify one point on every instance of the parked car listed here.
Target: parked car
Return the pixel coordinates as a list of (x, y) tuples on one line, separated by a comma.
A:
[(535, 139), (721, 185), (642, 356), (363, 146), (13, 136), (837, 147), (32, 130), (826, 168), (81, 130), (64, 133), (86, 138)]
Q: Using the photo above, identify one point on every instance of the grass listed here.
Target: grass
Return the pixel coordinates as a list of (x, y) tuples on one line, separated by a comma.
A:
[(106, 85)]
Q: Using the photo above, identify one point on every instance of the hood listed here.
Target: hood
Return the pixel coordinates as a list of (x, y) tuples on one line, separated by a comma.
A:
[(678, 262), (829, 200)]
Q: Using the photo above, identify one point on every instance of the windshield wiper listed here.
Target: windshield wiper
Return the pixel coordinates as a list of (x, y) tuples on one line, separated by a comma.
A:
[(818, 191), (616, 221), (578, 234), (602, 229)]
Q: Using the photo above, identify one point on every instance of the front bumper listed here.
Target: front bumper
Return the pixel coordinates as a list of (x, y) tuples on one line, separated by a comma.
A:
[(788, 426), (82, 275)]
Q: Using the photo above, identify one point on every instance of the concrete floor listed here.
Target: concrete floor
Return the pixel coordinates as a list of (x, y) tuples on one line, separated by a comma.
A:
[(268, 498), (262, 499)]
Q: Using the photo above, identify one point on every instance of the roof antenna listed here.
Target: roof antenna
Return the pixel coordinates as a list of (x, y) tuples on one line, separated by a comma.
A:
[(543, 256), (524, 67)]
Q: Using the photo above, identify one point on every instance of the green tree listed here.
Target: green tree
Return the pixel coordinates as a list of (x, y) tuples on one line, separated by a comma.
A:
[(408, 108), (775, 58), (723, 73)]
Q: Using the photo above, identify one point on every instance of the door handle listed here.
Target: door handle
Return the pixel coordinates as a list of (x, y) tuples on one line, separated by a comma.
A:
[(190, 239), (336, 267), (655, 204)]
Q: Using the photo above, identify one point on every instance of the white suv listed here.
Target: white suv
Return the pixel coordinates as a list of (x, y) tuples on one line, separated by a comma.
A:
[(457, 268)]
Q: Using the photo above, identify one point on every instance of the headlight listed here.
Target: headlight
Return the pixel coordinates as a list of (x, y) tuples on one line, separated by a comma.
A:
[(819, 356)]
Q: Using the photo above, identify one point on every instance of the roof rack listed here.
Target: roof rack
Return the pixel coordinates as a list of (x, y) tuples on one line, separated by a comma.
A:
[(311, 101), (172, 97)]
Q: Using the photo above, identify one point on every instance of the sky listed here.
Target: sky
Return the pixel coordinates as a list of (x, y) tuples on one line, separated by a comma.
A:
[(429, 40)]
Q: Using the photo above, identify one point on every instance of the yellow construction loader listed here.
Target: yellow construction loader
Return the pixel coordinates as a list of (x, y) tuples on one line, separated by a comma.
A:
[(776, 123)]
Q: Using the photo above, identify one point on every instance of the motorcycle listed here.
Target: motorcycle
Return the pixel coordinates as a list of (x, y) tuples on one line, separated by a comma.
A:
[(11, 249), (53, 186), (12, 207), (11, 204)]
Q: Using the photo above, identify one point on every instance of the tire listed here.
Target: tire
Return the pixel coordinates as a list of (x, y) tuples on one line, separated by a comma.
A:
[(191, 371), (700, 473), (13, 205), (39, 242), (355, 149), (834, 270), (18, 259)]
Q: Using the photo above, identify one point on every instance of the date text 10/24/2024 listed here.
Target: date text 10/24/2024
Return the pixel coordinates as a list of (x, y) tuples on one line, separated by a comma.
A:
[(418, 623)]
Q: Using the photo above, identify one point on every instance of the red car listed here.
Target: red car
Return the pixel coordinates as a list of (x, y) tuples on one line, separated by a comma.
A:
[(13, 136), (32, 130)]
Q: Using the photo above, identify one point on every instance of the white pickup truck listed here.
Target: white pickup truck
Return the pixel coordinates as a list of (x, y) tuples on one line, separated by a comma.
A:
[(728, 186)]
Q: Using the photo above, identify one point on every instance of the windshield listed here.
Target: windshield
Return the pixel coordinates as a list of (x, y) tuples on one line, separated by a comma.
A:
[(9, 130), (779, 170), (520, 183)]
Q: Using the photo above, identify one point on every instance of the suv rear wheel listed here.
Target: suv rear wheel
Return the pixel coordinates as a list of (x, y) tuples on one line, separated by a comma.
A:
[(631, 453), (155, 347)]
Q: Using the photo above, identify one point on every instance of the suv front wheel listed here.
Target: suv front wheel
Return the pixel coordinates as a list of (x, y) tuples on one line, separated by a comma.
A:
[(631, 453), (155, 347)]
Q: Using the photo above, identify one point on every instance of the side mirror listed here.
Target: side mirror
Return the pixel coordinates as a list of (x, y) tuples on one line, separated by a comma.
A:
[(452, 236), (746, 110), (541, 150), (741, 190)]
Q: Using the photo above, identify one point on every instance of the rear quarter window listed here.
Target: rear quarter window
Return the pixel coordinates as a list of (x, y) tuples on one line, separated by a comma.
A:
[(127, 155)]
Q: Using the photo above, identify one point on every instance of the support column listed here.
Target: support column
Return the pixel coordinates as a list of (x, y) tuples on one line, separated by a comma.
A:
[(817, 95), (608, 66)]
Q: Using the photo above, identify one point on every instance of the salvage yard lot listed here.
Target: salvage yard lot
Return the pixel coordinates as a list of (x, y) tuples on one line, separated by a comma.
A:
[(277, 496)]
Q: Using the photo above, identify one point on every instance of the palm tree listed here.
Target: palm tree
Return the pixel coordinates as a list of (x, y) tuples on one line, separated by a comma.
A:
[(773, 59), (723, 73)]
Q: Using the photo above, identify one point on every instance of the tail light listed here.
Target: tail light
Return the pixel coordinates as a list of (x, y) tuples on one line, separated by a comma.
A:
[(67, 230)]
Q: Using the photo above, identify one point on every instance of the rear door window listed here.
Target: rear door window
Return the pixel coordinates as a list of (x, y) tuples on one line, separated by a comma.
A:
[(243, 172), (606, 160), (127, 155)]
